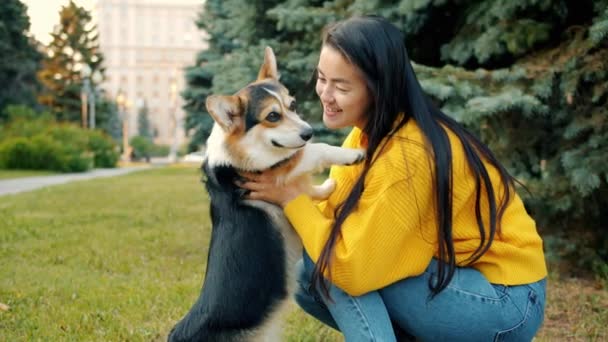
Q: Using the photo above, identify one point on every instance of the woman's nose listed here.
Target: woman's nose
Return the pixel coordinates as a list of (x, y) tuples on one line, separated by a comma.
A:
[(325, 95)]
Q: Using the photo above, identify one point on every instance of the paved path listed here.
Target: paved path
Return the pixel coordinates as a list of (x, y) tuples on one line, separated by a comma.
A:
[(17, 185)]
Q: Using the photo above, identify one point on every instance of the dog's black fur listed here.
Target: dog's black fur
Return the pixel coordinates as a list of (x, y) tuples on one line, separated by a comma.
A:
[(244, 245)]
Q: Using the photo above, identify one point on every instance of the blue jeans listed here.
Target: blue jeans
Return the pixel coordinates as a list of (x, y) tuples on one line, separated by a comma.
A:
[(469, 309)]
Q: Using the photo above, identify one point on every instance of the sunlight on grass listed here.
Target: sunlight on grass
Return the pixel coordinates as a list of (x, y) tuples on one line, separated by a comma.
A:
[(123, 258)]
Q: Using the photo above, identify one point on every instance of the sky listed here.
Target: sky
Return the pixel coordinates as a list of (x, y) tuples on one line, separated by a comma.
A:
[(44, 14)]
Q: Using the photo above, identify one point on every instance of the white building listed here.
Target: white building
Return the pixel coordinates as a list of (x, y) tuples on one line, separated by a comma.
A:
[(146, 45)]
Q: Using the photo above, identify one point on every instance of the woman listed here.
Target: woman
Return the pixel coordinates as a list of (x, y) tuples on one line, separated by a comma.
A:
[(427, 234)]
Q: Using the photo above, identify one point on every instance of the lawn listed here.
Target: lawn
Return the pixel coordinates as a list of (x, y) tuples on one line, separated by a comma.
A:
[(122, 259)]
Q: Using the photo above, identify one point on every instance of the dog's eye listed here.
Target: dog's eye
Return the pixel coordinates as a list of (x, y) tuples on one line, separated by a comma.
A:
[(273, 117), (292, 106)]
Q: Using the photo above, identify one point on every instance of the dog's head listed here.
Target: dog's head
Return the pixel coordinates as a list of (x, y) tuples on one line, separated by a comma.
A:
[(258, 126)]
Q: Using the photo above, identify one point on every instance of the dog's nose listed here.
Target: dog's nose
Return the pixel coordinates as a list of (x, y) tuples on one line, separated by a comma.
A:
[(306, 134)]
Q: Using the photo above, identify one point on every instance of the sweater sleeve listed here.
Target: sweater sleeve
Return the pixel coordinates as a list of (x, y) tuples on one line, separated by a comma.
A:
[(382, 240)]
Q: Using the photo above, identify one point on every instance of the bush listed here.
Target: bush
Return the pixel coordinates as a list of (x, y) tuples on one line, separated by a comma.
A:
[(43, 153), (18, 153), (104, 149), (160, 150), (24, 122), (142, 147), (39, 143)]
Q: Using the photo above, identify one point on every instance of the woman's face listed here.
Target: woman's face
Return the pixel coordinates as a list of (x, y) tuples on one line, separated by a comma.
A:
[(342, 91)]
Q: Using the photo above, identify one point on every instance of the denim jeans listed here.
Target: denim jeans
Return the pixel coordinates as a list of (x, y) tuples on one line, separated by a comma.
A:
[(469, 309)]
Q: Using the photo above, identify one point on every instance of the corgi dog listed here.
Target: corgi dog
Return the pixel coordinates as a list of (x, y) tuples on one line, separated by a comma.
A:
[(250, 274)]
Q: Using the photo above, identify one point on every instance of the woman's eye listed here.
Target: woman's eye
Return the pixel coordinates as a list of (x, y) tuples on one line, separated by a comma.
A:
[(273, 117), (292, 106)]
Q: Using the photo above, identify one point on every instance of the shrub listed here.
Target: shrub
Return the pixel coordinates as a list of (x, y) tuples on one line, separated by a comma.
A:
[(18, 153), (142, 147), (43, 153), (34, 140), (159, 150), (24, 122), (104, 149)]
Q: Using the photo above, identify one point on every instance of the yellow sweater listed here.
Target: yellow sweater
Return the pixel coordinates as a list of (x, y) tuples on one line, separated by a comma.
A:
[(392, 234)]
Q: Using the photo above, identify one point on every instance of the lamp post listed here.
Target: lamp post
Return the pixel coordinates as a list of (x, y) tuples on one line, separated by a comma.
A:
[(96, 78), (85, 74), (173, 116), (121, 101), (87, 95)]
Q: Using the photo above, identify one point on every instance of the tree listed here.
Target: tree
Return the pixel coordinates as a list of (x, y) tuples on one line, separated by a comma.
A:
[(144, 128), (19, 57), (238, 32), (527, 76), (107, 118), (75, 43)]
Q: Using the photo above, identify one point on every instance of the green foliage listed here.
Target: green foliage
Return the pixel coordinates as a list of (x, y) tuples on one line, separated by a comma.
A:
[(144, 127), (19, 57), (328, 136), (545, 117), (24, 121), (105, 151), (75, 43), (43, 153), (599, 30), (108, 119), (142, 147), (160, 150), (527, 76), (37, 142)]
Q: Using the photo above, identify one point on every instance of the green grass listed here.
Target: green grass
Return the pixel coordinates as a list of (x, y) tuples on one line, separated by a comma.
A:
[(122, 259), (111, 259), (8, 174)]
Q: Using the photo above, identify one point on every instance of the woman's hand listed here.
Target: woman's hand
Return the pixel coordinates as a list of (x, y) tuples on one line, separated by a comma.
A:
[(264, 187)]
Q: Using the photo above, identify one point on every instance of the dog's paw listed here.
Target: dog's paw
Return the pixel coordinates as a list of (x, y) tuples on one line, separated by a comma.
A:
[(322, 192), (353, 156)]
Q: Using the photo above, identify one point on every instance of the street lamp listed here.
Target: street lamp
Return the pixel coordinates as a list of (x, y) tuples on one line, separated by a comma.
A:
[(85, 74), (89, 81), (173, 116), (96, 78), (121, 101)]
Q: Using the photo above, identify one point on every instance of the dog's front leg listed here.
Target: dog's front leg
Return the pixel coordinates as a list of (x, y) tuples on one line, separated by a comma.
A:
[(321, 192), (318, 157)]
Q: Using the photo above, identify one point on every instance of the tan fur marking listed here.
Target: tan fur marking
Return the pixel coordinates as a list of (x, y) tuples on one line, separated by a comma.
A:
[(284, 169)]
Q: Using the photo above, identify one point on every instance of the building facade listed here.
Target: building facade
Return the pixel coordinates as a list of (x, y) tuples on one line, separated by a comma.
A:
[(146, 45)]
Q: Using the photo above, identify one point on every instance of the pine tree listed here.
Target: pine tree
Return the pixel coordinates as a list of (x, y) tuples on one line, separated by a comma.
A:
[(238, 31), (527, 76), (75, 43), (144, 128), (19, 57), (107, 118)]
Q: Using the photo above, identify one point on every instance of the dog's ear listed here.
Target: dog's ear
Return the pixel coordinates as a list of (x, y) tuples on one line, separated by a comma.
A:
[(225, 110), (269, 67)]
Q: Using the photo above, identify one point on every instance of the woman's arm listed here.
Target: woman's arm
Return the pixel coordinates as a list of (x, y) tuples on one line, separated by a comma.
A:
[(387, 238)]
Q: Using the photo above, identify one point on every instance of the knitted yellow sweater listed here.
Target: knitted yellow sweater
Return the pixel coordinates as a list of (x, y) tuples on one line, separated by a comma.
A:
[(392, 234)]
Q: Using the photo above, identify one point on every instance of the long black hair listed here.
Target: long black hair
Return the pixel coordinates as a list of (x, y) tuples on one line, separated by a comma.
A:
[(377, 48)]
